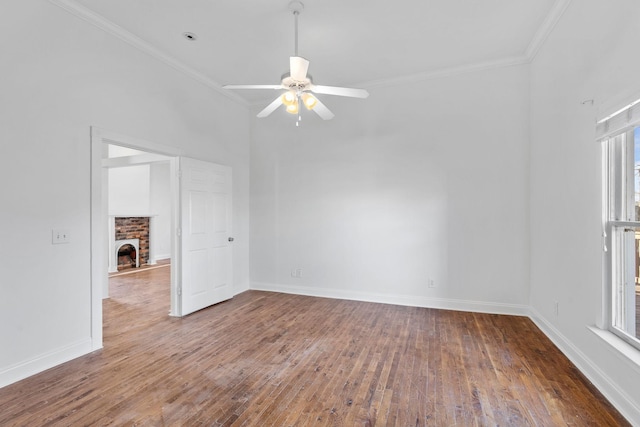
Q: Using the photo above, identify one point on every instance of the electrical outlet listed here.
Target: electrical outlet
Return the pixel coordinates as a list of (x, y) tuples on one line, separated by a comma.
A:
[(60, 236), (431, 283), (556, 308), (296, 272)]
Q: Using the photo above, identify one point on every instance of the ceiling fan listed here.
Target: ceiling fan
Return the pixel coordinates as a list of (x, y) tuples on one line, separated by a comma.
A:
[(298, 85)]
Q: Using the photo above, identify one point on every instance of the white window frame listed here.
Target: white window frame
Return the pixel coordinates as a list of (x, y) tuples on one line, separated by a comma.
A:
[(616, 133)]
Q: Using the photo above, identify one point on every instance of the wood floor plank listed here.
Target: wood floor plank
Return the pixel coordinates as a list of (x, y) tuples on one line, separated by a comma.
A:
[(289, 360)]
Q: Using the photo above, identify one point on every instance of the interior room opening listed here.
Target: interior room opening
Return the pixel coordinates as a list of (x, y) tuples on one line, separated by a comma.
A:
[(138, 220)]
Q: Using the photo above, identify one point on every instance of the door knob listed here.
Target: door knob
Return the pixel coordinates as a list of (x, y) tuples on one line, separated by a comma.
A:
[(230, 239)]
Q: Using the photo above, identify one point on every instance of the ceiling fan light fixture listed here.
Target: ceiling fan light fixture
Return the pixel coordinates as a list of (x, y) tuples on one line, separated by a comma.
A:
[(293, 108), (309, 100), (297, 84), (289, 98)]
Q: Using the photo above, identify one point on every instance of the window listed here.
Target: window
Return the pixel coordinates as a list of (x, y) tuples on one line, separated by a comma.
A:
[(620, 136)]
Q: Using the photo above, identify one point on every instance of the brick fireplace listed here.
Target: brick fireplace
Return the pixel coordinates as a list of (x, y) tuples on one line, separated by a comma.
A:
[(134, 227), (129, 238)]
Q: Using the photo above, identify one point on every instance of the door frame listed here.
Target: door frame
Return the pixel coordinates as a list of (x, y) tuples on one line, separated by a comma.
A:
[(99, 216)]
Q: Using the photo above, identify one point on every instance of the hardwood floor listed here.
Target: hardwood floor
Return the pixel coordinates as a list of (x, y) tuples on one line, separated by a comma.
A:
[(268, 359)]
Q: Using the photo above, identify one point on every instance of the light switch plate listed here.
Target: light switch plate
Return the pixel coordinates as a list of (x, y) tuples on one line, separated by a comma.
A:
[(60, 236)]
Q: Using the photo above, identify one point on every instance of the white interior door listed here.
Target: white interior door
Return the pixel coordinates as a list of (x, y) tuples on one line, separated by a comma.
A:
[(205, 231)]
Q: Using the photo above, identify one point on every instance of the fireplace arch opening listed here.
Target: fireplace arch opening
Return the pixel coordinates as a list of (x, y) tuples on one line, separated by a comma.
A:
[(127, 253)]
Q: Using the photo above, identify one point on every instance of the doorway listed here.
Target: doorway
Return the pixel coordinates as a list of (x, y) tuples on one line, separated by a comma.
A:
[(200, 225), (145, 153), (139, 209)]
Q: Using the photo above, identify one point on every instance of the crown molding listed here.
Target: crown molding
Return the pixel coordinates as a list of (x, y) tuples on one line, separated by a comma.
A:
[(104, 24), (558, 9), (547, 26), (541, 35), (447, 72)]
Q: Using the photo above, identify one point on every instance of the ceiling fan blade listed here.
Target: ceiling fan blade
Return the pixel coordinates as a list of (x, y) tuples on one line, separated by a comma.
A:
[(340, 91), (298, 68), (323, 111), (252, 87), (271, 107)]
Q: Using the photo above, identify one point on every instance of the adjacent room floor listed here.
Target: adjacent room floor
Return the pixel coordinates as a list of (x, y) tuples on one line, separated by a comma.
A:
[(269, 359)]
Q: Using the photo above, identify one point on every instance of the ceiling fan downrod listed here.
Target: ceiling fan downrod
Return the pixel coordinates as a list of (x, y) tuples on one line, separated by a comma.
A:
[(298, 85), (296, 7)]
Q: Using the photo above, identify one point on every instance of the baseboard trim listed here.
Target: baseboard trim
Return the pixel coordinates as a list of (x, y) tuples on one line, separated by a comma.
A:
[(620, 400), (240, 288), (406, 300), (22, 370)]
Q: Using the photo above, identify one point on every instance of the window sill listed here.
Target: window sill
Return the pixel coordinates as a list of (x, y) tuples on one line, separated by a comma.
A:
[(620, 346)]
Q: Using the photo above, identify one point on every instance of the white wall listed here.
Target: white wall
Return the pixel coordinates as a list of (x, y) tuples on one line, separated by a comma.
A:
[(427, 180), (160, 201), (60, 75), (130, 190), (591, 55)]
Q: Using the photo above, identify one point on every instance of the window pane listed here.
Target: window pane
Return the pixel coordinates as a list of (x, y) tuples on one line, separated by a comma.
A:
[(636, 174), (624, 176), (626, 304), (621, 178)]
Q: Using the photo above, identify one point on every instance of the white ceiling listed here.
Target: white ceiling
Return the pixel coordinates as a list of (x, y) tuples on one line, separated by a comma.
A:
[(360, 43)]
